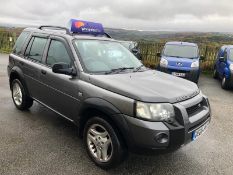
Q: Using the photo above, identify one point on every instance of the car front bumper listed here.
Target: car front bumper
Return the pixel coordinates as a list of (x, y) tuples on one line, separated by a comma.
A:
[(146, 135), (192, 74)]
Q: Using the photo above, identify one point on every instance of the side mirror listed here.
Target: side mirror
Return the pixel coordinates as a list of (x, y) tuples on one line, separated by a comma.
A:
[(222, 59), (63, 68), (134, 50), (158, 54), (202, 57)]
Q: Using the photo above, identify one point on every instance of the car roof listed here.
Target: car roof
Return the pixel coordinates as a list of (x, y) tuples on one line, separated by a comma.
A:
[(181, 43), (63, 33), (226, 47), (123, 41)]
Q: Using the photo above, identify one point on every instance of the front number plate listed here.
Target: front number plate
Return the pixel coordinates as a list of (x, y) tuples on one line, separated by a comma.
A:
[(200, 131), (178, 74)]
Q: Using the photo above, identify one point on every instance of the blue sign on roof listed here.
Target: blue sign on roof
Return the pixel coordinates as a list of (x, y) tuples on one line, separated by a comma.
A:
[(86, 27)]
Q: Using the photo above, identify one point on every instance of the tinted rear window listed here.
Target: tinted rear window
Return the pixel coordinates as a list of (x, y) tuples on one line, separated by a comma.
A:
[(20, 42), (37, 48)]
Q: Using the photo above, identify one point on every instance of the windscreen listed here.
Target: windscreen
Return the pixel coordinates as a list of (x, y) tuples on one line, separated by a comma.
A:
[(103, 56), (126, 44), (182, 51)]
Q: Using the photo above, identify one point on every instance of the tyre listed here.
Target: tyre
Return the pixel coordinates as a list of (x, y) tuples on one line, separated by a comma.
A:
[(21, 100), (215, 74), (225, 83), (196, 81), (103, 144)]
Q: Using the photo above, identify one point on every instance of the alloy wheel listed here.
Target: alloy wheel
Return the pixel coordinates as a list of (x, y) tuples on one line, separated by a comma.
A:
[(17, 94), (99, 143)]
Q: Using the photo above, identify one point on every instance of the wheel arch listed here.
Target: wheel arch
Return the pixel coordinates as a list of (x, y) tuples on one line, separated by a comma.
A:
[(17, 73), (97, 107), (226, 72)]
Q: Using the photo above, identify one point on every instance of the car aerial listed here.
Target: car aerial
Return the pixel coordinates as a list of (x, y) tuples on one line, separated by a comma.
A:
[(223, 67), (181, 59), (93, 81), (132, 46)]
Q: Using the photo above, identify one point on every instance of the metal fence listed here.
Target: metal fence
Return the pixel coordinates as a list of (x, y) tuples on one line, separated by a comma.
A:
[(149, 54), (7, 41), (149, 51)]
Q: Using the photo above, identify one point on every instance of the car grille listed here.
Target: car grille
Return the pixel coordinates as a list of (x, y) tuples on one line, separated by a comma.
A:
[(195, 109)]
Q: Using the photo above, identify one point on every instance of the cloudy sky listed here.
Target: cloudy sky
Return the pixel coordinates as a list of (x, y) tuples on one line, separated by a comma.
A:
[(178, 15)]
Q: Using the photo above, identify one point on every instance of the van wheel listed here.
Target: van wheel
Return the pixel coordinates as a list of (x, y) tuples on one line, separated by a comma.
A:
[(103, 144), (215, 74), (225, 83), (21, 100)]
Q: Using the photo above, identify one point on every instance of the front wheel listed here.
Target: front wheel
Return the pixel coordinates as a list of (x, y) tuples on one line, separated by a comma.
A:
[(21, 100), (103, 144)]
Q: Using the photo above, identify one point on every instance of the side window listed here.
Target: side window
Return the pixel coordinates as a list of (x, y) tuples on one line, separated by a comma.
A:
[(20, 42), (29, 47), (57, 53), (35, 48)]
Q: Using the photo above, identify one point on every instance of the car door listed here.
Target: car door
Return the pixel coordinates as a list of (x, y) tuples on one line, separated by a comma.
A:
[(222, 63), (32, 64), (220, 54), (60, 92)]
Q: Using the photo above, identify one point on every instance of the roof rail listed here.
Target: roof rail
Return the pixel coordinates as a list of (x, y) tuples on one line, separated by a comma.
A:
[(55, 28), (65, 29), (107, 35)]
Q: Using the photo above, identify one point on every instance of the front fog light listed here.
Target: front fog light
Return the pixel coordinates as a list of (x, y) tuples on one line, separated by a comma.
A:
[(162, 138)]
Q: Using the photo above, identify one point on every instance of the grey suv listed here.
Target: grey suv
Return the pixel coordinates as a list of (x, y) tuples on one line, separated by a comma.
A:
[(118, 104)]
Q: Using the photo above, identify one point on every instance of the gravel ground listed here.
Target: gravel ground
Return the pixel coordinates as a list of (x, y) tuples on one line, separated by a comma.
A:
[(39, 141)]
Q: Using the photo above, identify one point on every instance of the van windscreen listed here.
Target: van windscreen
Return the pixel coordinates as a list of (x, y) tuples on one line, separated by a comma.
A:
[(182, 51)]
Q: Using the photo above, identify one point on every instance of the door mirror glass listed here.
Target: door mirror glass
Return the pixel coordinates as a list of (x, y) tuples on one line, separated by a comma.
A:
[(221, 59), (63, 68)]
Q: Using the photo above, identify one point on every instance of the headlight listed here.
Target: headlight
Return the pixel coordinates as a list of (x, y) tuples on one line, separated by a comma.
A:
[(231, 67), (163, 62), (195, 64), (155, 112)]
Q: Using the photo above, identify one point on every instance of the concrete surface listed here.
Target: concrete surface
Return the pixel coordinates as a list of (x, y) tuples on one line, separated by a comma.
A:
[(40, 142)]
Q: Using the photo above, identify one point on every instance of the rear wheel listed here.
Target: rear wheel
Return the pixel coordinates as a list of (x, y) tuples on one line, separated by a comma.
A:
[(103, 144), (21, 100), (225, 83), (215, 74)]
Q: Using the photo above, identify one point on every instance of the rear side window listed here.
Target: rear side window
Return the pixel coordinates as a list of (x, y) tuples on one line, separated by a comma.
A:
[(57, 53), (20, 42), (35, 48)]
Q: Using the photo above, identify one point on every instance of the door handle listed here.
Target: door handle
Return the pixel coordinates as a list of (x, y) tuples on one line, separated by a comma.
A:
[(43, 72)]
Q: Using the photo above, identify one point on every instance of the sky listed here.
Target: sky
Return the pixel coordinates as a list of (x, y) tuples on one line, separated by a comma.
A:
[(159, 15)]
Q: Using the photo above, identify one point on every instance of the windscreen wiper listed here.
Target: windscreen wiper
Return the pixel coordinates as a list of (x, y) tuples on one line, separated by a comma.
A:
[(138, 68), (118, 70)]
